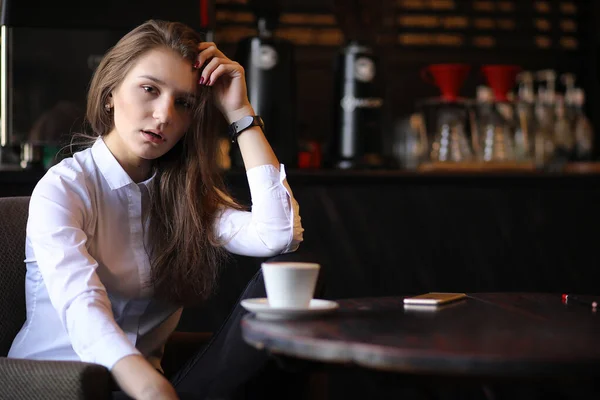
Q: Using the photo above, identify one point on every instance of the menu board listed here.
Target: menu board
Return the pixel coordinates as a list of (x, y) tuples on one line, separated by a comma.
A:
[(470, 24)]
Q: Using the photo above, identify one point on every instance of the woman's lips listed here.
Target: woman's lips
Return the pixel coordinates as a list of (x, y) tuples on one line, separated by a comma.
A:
[(153, 136)]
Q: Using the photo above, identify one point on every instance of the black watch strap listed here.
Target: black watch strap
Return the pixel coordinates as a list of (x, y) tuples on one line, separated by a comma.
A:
[(241, 125)]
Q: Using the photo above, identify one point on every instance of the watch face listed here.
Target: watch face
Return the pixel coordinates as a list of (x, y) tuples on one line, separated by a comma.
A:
[(245, 123)]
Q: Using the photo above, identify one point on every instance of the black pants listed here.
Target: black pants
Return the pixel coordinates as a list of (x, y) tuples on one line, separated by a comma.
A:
[(227, 366), (227, 362)]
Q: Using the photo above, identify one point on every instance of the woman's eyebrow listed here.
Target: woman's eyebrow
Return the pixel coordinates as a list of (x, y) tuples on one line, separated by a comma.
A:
[(163, 83)]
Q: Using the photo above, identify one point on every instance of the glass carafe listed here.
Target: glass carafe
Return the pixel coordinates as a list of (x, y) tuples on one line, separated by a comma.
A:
[(451, 139), (410, 145), (496, 130)]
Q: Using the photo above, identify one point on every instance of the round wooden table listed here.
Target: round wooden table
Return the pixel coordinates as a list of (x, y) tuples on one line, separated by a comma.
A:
[(487, 334)]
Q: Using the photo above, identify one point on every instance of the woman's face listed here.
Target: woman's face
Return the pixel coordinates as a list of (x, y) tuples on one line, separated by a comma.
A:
[(152, 107)]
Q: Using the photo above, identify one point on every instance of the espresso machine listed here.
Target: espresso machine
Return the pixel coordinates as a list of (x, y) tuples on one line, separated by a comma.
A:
[(271, 82), (358, 97)]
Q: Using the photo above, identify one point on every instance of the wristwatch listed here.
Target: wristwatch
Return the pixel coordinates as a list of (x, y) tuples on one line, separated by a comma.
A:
[(241, 125)]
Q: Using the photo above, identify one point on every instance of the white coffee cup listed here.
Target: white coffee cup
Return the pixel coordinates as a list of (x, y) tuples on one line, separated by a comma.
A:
[(290, 284)]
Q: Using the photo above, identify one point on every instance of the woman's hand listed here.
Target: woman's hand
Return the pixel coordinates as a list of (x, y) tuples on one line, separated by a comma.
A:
[(138, 378), (227, 78)]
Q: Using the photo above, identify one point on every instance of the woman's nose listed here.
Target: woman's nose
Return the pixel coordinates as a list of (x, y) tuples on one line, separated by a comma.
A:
[(163, 112)]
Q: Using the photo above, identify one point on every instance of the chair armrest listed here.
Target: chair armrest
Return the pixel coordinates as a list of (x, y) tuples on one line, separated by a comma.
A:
[(69, 380)]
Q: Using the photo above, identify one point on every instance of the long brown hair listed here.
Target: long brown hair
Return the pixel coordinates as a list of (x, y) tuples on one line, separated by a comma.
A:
[(187, 190)]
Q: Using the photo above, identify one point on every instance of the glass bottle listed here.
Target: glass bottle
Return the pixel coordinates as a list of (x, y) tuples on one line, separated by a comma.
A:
[(583, 131), (544, 114)]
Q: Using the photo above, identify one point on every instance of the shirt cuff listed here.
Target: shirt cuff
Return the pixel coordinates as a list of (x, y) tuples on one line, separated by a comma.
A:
[(110, 349), (265, 180)]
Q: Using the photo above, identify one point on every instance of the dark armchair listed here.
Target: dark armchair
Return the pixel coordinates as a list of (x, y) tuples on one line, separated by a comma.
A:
[(29, 379)]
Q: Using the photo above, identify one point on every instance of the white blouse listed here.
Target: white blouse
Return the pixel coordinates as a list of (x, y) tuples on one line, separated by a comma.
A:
[(87, 266)]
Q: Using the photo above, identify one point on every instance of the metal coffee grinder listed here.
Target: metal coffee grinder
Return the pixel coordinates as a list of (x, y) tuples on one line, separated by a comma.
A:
[(358, 101), (271, 81)]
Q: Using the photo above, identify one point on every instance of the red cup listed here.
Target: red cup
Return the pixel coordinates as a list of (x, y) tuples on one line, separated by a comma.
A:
[(501, 78), (449, 78), (310, 155)]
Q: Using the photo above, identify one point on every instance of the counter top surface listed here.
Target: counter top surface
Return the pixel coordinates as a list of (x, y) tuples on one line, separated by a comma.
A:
[(427, 173)]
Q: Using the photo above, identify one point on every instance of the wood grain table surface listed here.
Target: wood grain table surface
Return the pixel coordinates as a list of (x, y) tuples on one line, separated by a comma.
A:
[(489, 334)]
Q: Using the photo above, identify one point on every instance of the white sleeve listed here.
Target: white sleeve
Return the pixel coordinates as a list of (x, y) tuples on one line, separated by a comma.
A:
[(58, 210), (273, 226)]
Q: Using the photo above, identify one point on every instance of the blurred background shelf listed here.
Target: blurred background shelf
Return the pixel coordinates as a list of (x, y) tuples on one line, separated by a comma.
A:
[(17, 182), (477, 167)]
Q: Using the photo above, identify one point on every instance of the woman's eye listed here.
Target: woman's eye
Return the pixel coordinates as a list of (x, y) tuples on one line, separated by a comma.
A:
[(148, 89)]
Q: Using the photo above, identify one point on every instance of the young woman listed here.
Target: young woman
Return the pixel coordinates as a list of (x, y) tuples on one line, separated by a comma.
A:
[(124, 233)]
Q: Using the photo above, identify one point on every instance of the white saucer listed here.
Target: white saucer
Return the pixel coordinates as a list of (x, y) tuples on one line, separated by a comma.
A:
[(261, 308)]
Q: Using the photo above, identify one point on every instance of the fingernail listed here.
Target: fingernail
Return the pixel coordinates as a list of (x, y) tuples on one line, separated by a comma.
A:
[(197, 64), (201, 81)]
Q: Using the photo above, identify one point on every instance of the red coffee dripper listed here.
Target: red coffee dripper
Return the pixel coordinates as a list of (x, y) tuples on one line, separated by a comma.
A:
[(449, 78), (501, 78)]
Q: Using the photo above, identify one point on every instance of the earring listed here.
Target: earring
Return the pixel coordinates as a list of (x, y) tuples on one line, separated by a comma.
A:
[(107, 107)]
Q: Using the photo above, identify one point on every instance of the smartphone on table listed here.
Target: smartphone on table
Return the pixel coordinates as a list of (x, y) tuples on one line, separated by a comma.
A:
[(434, 298)]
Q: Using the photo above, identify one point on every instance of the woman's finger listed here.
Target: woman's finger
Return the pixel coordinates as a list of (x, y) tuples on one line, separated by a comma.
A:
[(208, 70), (206, 45), (205, 56), (206, 76), (207, 50), (224, 69)]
